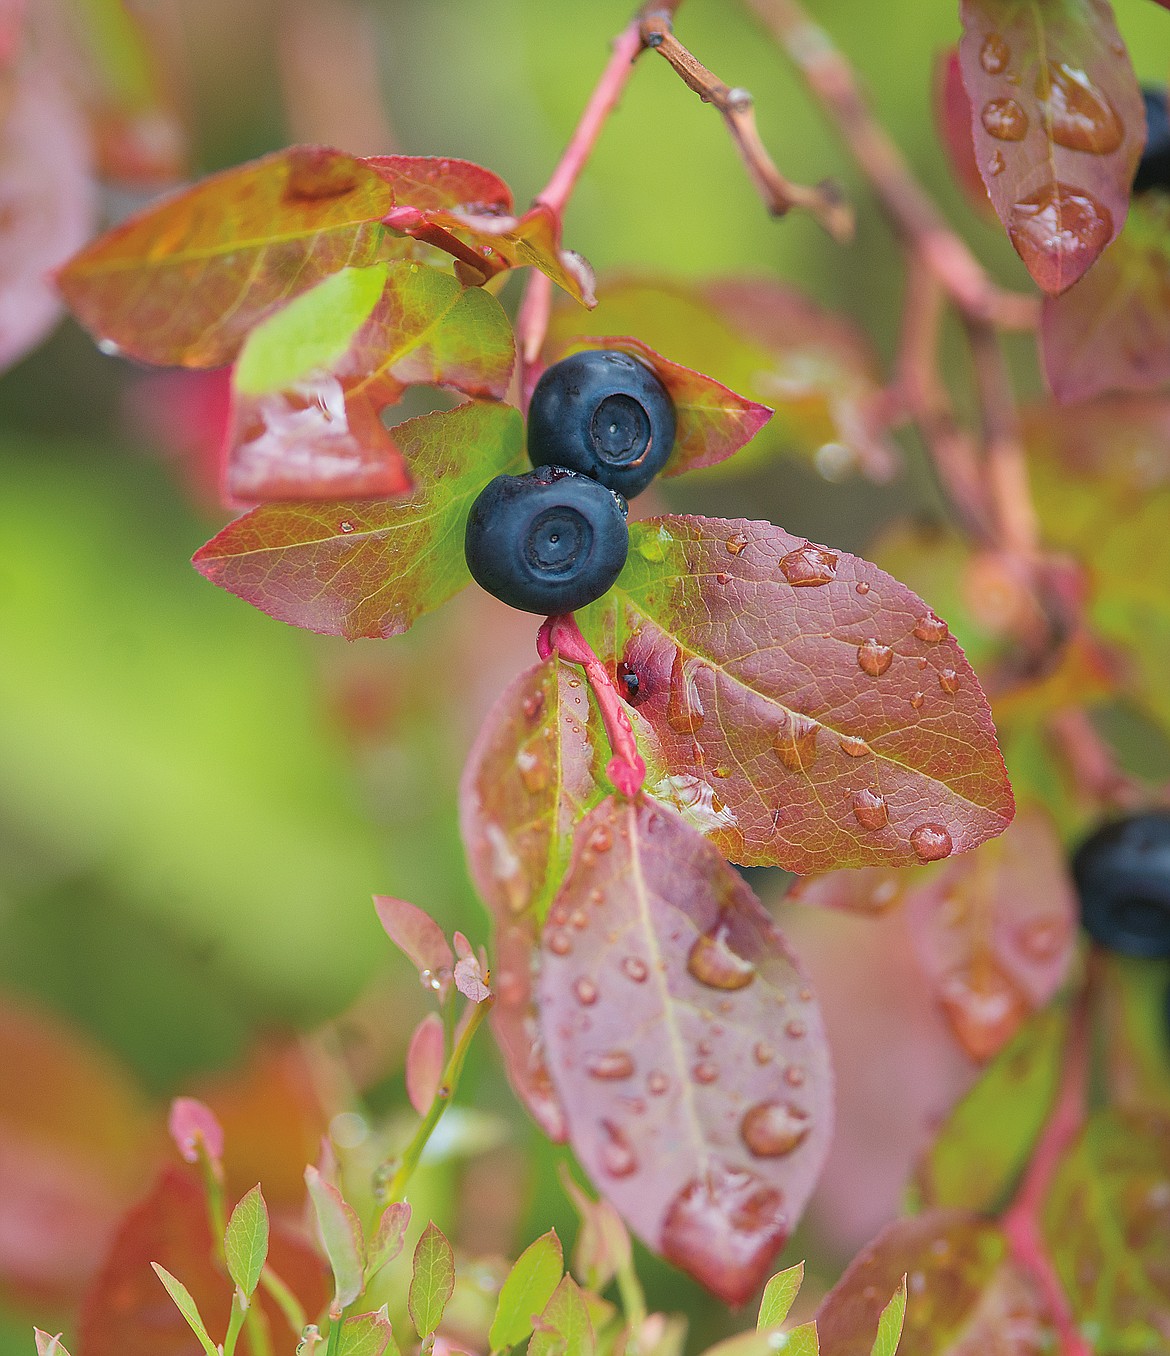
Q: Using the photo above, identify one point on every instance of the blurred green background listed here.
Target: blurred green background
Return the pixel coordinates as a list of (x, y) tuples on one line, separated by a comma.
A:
[(197, 802)]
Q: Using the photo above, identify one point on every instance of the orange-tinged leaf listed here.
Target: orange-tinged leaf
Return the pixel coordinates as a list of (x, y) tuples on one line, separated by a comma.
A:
[(806, 709), (184, 281), (440, 183), (713, 423), (1059, 126), (372, 567), (693, 1070)]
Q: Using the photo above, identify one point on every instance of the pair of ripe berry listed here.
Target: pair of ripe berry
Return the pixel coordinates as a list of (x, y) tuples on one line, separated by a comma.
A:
[(600, 427)]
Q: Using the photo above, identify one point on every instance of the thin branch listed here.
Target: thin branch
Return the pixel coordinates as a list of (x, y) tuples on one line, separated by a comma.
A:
[(915, 217), (1092, 763), (780, 195)]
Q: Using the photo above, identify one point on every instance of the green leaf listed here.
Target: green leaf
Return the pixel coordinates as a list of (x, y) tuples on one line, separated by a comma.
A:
[(312, 331), (988, 1137), (779, 1294), (1137, 1053), (388, 1237), (432, 1282), (341, 1233), (801, 1341), (371, 568), (366, 1334), (186, 1305), (526, 1290), (48, 1344), (246, 1240), (889, 1332), (564, 1328)]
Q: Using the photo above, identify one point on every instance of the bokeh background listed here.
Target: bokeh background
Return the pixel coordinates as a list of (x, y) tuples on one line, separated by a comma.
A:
[(197, 802)]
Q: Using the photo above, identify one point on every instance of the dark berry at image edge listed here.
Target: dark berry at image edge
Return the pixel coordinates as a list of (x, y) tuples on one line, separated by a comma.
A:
[(604, 414), (547, 542), (1153, 169), (1122, 873)]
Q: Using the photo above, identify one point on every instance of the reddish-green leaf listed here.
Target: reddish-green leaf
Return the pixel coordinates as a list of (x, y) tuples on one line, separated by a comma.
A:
[(1107, 1222), (603, 1245), (564, 1327), (433, 183), (313, 380), (370, 568), (965, 1295), (685, 1045), (1059, 125), (713, 423), (366, 1334), (432, 1282), (1111, 332), (388, 1237), (424, 1062), (952, 115), (246, 1240), (49, 1344), (183, 282), (988, 1137), (995, 932), (420, 939), (808, 710), (527, 1288), (341, 1233)]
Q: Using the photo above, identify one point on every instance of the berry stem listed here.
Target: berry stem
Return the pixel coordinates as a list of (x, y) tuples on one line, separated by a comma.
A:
[(1021, 1224), (410, 221), (561, 635)]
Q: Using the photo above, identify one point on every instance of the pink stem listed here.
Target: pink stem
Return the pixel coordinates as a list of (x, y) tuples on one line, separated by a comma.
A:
[(626, 769), (1021, 1223)]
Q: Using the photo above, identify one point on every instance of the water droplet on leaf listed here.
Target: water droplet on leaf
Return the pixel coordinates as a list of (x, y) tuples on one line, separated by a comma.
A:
[(995, 54), (704, 1072), (1059, 227), (586, 992), (713, 963), (684, 710), (862, 587), (635, 968), (773, 1129), (795, 741), (533, 771), (984, 1008), (763, 1054), (916, 700), (1080, 117), (996, 165), (931, 842), (617, 1154), (809, 566), (948, 680), (735, 545), (869, 809), (610, 1065), (853, 747), (1004, 119), (931, 628), (874, 658), (533, 705), (657, 1083), (559, 943)]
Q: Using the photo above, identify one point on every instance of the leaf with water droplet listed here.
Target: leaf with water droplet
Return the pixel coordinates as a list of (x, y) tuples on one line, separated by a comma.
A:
[(985, 1143), (708, 1154), (815, 369), (1106, 1221), (372, 567), (964, 1292), (1058, 125), (313, 380), (996, 932), (420, 939), (807, 692)]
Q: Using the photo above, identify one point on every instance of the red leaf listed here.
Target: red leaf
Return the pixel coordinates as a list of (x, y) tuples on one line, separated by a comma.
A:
[(184, 281), (996, 931), (435, 184), (127, 1313), (687, 1050), (193, 1126), (424, 1062), (952, 115), (964, 1294), (47, 203), (420, 939), (713, 423), (316, 432), (1111, 332), (1059, 126), (372, 567), (806, 710)]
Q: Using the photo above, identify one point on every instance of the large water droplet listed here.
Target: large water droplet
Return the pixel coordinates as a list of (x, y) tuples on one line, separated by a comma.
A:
[(809, 566), (931, 629), (725, 1227), (870, 811), (854, 747), (1079, 115), (653, 547), (762, 1053), (1004, 119), (917, 699), (610, 1065), (684, 710), (984, 1008), (795, 741), (931, 842), (773, 1129), (1059, 227), (948, 680), (874, 658), (559, 943), (997, 164), (601, 839), (705, 1072), (735, 545), (995, 54), (713, 963), (617, 1153), (635, 968)]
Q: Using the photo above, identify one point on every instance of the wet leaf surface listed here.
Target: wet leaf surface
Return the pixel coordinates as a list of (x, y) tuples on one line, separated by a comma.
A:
[(808, 711), (372, 567), (685, 1045), (1059, 126)]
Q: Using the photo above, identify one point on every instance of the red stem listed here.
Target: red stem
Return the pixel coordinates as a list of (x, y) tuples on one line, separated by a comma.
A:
[(626, 769), (1021, 1224)]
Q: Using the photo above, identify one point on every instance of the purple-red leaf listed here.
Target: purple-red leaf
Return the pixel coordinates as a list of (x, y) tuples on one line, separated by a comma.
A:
[(469, 979), (1059, 126), (184, 281), (425, 1058), (952, 113), (420, 939), (965, 1295), (685, 1044), (1111, 332), (388, 1237), (995, 932), (713, 423), (806, 710), (434, 183), (313, 380), (371, 567)]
